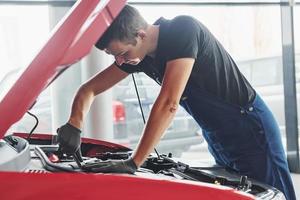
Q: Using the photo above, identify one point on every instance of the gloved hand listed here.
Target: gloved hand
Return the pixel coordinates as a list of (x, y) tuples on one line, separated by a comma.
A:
[(68, 139), (112, 166)]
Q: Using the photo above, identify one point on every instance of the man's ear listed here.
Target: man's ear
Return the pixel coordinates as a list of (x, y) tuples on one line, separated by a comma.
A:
[(142, 34)]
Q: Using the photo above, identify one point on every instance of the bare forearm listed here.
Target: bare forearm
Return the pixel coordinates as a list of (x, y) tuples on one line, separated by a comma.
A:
[(161, 115), (80, 107), (87, 92), (165, 106)]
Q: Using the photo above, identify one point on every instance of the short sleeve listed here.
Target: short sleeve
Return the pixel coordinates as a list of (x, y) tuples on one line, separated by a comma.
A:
[(183, 40)]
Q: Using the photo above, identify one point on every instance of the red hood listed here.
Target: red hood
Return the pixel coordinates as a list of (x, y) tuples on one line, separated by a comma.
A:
[(71, 40)]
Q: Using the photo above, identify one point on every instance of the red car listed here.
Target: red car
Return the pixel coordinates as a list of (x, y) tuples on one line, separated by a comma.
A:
[(32, 168)]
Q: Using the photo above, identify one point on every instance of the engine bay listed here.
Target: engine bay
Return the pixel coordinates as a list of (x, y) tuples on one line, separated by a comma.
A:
[(42, 156)]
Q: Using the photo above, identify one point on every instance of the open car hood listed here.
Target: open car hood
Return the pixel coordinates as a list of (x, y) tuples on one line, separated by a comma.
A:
[(70, 40)]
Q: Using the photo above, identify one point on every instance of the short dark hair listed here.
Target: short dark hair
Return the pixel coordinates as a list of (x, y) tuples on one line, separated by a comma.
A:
[(124, 28)]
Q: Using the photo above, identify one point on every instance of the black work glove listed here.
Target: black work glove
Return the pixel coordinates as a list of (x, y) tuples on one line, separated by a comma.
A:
[(68, 137), (111, 166)]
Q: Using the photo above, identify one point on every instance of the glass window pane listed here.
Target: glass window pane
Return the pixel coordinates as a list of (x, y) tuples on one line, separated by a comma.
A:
[(204, 1), (181, 133), (297, 56), (23, 29), (297, 33)]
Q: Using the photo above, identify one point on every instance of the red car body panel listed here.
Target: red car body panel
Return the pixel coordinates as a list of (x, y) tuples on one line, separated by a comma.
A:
[(105, 186), (71, 40)]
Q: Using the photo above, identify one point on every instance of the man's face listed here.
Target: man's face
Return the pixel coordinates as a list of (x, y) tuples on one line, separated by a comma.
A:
[(126, 53)]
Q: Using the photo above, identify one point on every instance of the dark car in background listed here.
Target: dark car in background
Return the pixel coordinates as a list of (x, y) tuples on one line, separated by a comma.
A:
[(270, 87), (127, 117), (182, 133)]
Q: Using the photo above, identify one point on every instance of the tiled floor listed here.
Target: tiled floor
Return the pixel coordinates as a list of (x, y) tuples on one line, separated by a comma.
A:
[(296, 181)]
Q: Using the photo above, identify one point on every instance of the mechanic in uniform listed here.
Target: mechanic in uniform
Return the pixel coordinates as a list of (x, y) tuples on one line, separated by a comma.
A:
[(195, 71)]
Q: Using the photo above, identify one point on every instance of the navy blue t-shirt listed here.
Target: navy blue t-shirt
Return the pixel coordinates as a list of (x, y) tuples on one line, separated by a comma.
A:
[(214, 71)]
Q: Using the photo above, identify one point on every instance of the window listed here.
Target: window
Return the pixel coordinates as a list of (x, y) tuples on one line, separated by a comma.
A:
[(23, 29), (297, 33), (297, 56)]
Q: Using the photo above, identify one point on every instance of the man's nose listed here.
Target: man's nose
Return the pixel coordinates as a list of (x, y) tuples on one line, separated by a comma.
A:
[(120, 60)]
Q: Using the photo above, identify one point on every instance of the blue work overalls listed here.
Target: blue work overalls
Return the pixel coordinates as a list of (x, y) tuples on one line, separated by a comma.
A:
[(245, 139)]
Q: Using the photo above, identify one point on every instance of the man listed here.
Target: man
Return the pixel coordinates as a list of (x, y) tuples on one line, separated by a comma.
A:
[(195, 71)]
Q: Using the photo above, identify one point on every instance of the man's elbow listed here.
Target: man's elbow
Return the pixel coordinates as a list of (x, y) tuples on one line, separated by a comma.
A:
[(85, 90), (171, 105)]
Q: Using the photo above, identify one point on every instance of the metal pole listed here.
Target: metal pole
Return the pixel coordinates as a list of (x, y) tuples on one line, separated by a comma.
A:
[(289, 80)]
